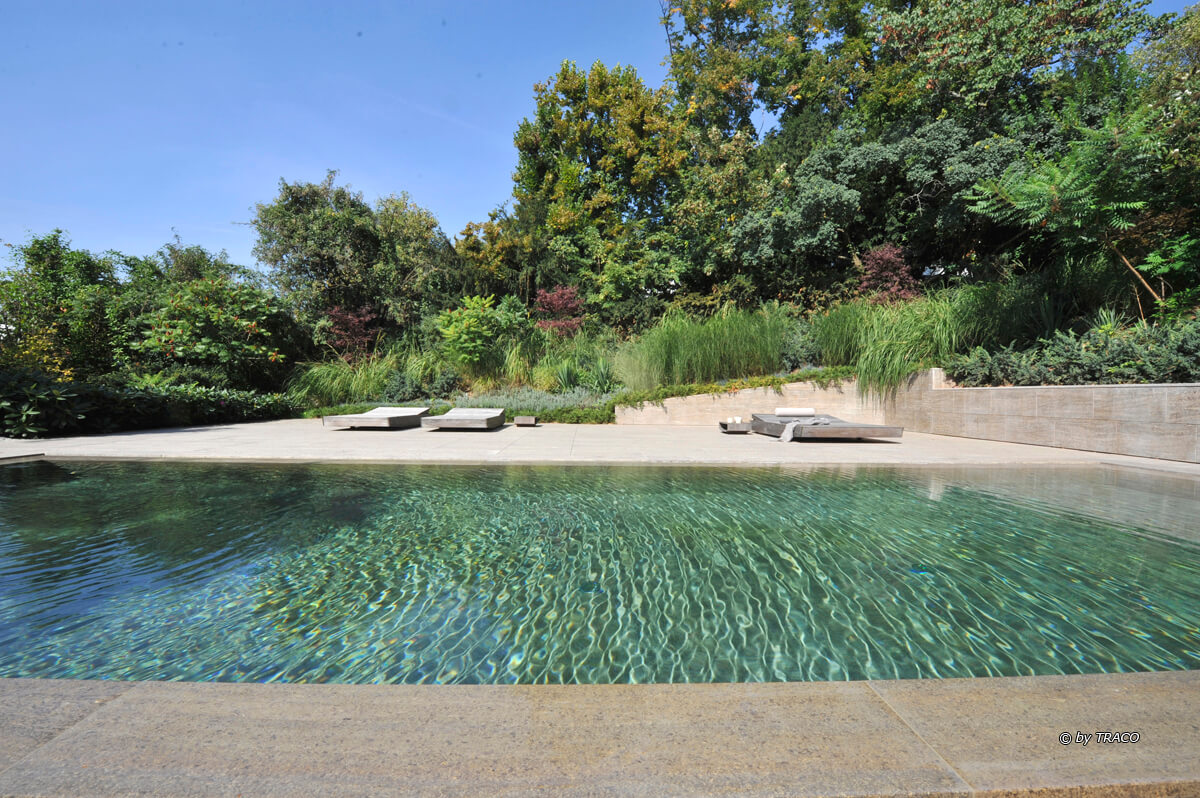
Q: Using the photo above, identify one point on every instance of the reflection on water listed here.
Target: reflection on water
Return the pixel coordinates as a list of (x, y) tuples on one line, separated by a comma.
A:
[(591, 575)]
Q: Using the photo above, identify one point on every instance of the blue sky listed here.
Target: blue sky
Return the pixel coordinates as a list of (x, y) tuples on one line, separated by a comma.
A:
[(125, 121)]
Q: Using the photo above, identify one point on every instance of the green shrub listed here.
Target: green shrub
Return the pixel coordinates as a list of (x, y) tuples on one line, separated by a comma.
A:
[(682, 349), (800, 349), (601, 377), (477, 334), (884, 343), (401, 388), (34, 405), (445, 383), (566, 376), (235, 329), (1104, 354), (837, 334)]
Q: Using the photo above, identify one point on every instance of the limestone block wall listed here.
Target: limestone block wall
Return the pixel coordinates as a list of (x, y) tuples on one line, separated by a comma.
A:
[(842, 401), (1141, 420)]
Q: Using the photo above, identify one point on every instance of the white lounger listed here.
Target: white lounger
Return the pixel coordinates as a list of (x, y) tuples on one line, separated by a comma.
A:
[(467, 418), (379, 418)]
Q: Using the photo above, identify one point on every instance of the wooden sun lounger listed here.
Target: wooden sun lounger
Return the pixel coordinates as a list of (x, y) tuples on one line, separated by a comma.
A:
[(379, 418), (820, 426), (467, 418)]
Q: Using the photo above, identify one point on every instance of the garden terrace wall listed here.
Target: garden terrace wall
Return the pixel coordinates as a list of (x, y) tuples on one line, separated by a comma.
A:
[(841, 400), (1141, 420)]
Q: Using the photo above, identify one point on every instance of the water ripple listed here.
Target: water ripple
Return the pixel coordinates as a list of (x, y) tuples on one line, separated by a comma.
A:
[(576, 575)]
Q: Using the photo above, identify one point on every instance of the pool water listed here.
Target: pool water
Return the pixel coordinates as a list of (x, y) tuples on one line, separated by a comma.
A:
[(370, 574)]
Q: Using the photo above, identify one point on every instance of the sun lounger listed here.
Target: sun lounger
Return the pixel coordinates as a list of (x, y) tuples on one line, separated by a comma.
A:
[(467, 418), (788, 428), (379, 418)]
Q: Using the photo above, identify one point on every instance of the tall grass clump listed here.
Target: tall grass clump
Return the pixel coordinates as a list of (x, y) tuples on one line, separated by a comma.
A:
[(337, 382), (683, 349), (838, 333), (887, 342)]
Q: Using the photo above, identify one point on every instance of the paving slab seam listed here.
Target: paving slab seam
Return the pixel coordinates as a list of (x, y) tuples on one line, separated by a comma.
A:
[(97, 705), (1153, 464), (918, 735)]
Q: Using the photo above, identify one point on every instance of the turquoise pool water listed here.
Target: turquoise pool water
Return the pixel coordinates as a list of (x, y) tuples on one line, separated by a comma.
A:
[(590, 575)]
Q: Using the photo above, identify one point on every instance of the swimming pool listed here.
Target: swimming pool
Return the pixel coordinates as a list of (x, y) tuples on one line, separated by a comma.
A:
[(486, 574)]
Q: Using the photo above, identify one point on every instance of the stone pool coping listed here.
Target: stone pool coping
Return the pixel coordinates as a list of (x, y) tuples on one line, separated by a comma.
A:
[(954, 737)]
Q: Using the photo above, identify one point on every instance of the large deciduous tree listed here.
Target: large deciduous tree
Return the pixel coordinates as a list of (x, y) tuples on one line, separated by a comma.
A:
[(54, 308), (977, 54), (328, 247), (320, 242), (597, 165)]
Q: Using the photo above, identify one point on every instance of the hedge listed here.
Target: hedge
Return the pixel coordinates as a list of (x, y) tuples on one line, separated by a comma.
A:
[(34, 405)]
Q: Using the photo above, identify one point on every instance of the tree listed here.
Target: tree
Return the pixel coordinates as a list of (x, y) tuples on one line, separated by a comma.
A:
[(717, 58), (179, 263), (803, 61), (1171, 66), (418, 270), (1107, 194), (54, 308), (478, 332), (718, 192), (321, 242), (596, 165), (976, 54), (327, 247)]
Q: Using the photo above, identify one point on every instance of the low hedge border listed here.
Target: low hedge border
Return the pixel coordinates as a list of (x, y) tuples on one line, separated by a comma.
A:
[(34, 405)]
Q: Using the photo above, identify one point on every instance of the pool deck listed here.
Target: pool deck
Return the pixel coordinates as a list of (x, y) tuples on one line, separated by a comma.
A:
[(305, 440), (953, 737)]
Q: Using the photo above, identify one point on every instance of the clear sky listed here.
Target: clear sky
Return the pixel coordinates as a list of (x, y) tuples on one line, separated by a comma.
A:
[(126, 121)]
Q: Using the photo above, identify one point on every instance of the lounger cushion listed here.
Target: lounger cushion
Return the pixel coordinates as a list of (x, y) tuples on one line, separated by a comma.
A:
[(795, 412)]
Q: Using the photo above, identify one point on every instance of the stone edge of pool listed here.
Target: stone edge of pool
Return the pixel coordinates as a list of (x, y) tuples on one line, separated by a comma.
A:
[(953, 737)]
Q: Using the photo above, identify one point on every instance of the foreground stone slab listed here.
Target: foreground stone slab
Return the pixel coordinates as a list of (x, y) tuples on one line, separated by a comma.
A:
[(1003, 735), (34, 711), (652, 740), (961, 737)]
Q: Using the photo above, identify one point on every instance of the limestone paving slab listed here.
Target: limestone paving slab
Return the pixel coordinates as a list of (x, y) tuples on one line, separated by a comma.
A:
[(34, 711), (640, 740), (1003, 734)]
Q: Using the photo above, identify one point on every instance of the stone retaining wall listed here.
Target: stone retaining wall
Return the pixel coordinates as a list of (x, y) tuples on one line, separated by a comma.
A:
[(842, 401), (1142, 420)]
